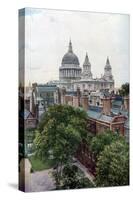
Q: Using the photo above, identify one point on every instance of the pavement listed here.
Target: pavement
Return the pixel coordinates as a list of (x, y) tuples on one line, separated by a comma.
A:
[(42, 181)]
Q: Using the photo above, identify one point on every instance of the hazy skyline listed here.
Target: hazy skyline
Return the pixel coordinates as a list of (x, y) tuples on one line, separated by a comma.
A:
[(47, 34)]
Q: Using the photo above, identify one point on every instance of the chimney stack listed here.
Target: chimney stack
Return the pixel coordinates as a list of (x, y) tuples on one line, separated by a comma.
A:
[(63, 92), (106, 105), (84, 102), (126, 103), (75, 101), (32, 105), (78, 95), (68, 100)]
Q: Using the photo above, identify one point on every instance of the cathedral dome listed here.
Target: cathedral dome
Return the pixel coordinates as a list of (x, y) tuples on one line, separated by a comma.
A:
[(70, 57)]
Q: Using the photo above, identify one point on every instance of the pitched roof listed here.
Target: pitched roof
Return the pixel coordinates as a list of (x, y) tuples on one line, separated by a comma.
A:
[(25, 114), (99, 116), (93, 114), (46, 88), (116, 103), (106, 118)]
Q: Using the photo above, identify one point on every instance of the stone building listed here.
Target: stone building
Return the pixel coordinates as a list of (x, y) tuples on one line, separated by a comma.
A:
[(72, 76), (43, 96), (88, 83), (70, 69)]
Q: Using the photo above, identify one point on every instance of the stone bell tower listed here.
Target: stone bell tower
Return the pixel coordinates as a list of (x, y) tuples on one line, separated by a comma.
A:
[(86, 74), (108, 71)]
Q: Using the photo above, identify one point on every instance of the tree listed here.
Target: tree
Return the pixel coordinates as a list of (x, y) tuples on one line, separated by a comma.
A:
[(124, 91), (60, 132), (73, 178), (113, 165), (99, 142)]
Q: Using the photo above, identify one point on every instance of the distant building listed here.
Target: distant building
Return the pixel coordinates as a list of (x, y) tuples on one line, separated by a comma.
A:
[(70, 70), (71, 75), (99, 122), (105, 110), (43, 96), (30, 121), (78, 88)]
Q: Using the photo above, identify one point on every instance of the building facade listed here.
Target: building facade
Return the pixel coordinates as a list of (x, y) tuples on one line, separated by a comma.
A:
[(110, 114), (43, 96), (72, 76), (70, 69)]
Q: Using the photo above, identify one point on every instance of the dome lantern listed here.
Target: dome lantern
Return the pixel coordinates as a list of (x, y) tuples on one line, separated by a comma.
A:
[(70, 50)]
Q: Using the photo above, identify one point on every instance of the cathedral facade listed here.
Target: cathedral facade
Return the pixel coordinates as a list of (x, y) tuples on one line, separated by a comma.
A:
[(72, 76)]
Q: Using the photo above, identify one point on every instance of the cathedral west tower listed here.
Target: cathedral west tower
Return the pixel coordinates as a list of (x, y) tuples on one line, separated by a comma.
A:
[(86, 74), (108, 71)]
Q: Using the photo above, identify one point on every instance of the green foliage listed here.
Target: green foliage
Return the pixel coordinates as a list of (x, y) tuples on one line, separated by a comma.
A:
[(38, 165), (124, 91), (62, 128), (73, 178), (60, 132), (99, 142), (112, 159), (41, 123), (113, 165), (89, 138)]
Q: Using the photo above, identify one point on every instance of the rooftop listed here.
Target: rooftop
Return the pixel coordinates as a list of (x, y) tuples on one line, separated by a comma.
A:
[(99, 116), (46, 88)]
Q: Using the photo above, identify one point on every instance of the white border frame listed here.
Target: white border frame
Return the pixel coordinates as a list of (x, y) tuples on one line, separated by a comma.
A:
[(8, 100)]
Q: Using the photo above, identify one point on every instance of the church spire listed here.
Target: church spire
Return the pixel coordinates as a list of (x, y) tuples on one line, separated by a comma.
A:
[(70, 50), (107, 61), (86, 62), (108, 71)]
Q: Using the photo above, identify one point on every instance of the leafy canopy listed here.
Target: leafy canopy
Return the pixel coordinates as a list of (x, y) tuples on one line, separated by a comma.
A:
[(99, 142), (124, 91), (113, 165), (61, 130), (73, 178)]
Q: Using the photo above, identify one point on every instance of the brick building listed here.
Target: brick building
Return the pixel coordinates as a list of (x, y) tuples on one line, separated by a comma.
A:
[(112, 113)]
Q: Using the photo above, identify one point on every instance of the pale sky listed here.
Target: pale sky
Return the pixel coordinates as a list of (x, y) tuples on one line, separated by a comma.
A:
[(47, 34)]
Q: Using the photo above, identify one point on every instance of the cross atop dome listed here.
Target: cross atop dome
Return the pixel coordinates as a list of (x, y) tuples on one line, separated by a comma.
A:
[(70, 50)]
